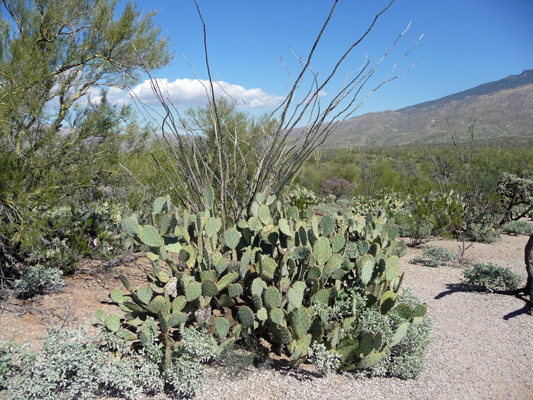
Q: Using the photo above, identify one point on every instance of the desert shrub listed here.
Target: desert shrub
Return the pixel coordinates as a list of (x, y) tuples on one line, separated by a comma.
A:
[(75, 365), (490, 277), (6, 362), (518, 228), (199, 345), (325, 361), (283, 280), (336, 187), (482, 233), (434, 256), (38, 280)]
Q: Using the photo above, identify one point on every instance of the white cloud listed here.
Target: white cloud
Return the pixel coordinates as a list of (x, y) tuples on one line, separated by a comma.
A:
[(193, 92)]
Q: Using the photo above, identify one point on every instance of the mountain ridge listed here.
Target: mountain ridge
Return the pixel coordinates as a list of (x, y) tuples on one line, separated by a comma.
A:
[(501, 110)]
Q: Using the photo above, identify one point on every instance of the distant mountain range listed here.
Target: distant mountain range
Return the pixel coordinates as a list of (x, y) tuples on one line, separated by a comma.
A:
[(502, 111)]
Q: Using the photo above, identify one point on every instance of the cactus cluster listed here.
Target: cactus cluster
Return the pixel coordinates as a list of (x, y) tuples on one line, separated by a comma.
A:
[(273, 274)]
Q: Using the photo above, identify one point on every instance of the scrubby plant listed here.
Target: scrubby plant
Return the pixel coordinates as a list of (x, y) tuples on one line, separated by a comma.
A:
[(482, 233), (325, 361), (336, 187), (6, 362), (301, 198), (435, 256), (518, 228), (490, 277), (76, 365), (287, 280), (38, 280)]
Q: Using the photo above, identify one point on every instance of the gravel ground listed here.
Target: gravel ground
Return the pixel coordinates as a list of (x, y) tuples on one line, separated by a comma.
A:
[(482, 346)]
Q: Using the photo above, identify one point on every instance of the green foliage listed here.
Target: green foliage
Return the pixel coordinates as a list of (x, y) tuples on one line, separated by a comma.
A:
[(483, 233), (515, 191), (490, 277), (302, 199), (324, 360), (76, 365), (435, 256), (289, 281), (38, 280), (198, 345), (518, 228), (6, 362)]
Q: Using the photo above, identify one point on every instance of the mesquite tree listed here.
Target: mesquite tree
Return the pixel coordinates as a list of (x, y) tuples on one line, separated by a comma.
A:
[(234, 166)]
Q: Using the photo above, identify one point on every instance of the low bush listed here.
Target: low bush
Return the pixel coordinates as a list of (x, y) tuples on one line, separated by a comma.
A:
[(434, 256), (490, 277), (76, 365), (38, 280), (518, 228), (483, 233)]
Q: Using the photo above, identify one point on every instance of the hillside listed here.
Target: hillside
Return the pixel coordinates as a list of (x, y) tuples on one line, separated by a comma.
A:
[(502, 111)]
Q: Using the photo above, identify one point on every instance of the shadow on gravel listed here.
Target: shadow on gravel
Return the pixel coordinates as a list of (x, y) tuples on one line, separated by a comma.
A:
[(523, 310), (452, 288), (457, 288)]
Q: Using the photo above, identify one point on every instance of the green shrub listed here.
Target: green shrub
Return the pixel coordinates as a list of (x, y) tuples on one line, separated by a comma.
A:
[(490, 277), (6, 363), (435, 256), (518, 228), (75, 365), (38, 280), (325, 361), (483, 233)]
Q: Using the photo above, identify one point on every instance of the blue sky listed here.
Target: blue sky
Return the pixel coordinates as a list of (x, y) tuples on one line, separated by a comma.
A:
[(465, 43)]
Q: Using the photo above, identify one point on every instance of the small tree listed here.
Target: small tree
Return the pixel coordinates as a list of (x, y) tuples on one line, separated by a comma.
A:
[(515, 191), (336, 187)]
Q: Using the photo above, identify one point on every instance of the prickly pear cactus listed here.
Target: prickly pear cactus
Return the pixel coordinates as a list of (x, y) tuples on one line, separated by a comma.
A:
[(273, 274)]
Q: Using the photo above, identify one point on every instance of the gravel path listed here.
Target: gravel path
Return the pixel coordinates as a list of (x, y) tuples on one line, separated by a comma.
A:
[(482, 347)]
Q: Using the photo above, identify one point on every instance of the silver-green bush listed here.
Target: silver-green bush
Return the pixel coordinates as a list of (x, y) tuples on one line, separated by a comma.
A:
[(490, 277), (38, 280)]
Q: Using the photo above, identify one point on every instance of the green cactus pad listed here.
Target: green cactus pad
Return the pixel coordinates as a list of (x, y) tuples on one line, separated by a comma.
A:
[(387, 301), (272, 298), (159, 204), (116, 296), (367, 267), (232, 237), (126, 335), (264, 214), (178, 304), (112, 322), (131, 226), (177, 318), (296, 294), (209, 288), (227, 279), (267, 268), (258, 285), (130, 306), (212, 226), (283, 334), (420, 310), (317, 329), (321, 297), (277, 316), (262, 314), (246, 317), (125, 282), (209, 198), (362, 247), (366, 344), (258, 302), (150, 236), (400, 333), (100, 315), (372, 358), (221, 327), (235, 290), (284, 227), (226, 301), (299, 253), (302, 236), (144, 294), (193, 290), (322, 250), (337, 243), (301, 321), (313, 273), (327, 225)]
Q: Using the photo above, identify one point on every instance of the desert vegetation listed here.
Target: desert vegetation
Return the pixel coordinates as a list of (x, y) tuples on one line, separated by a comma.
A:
[(260, 242)]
